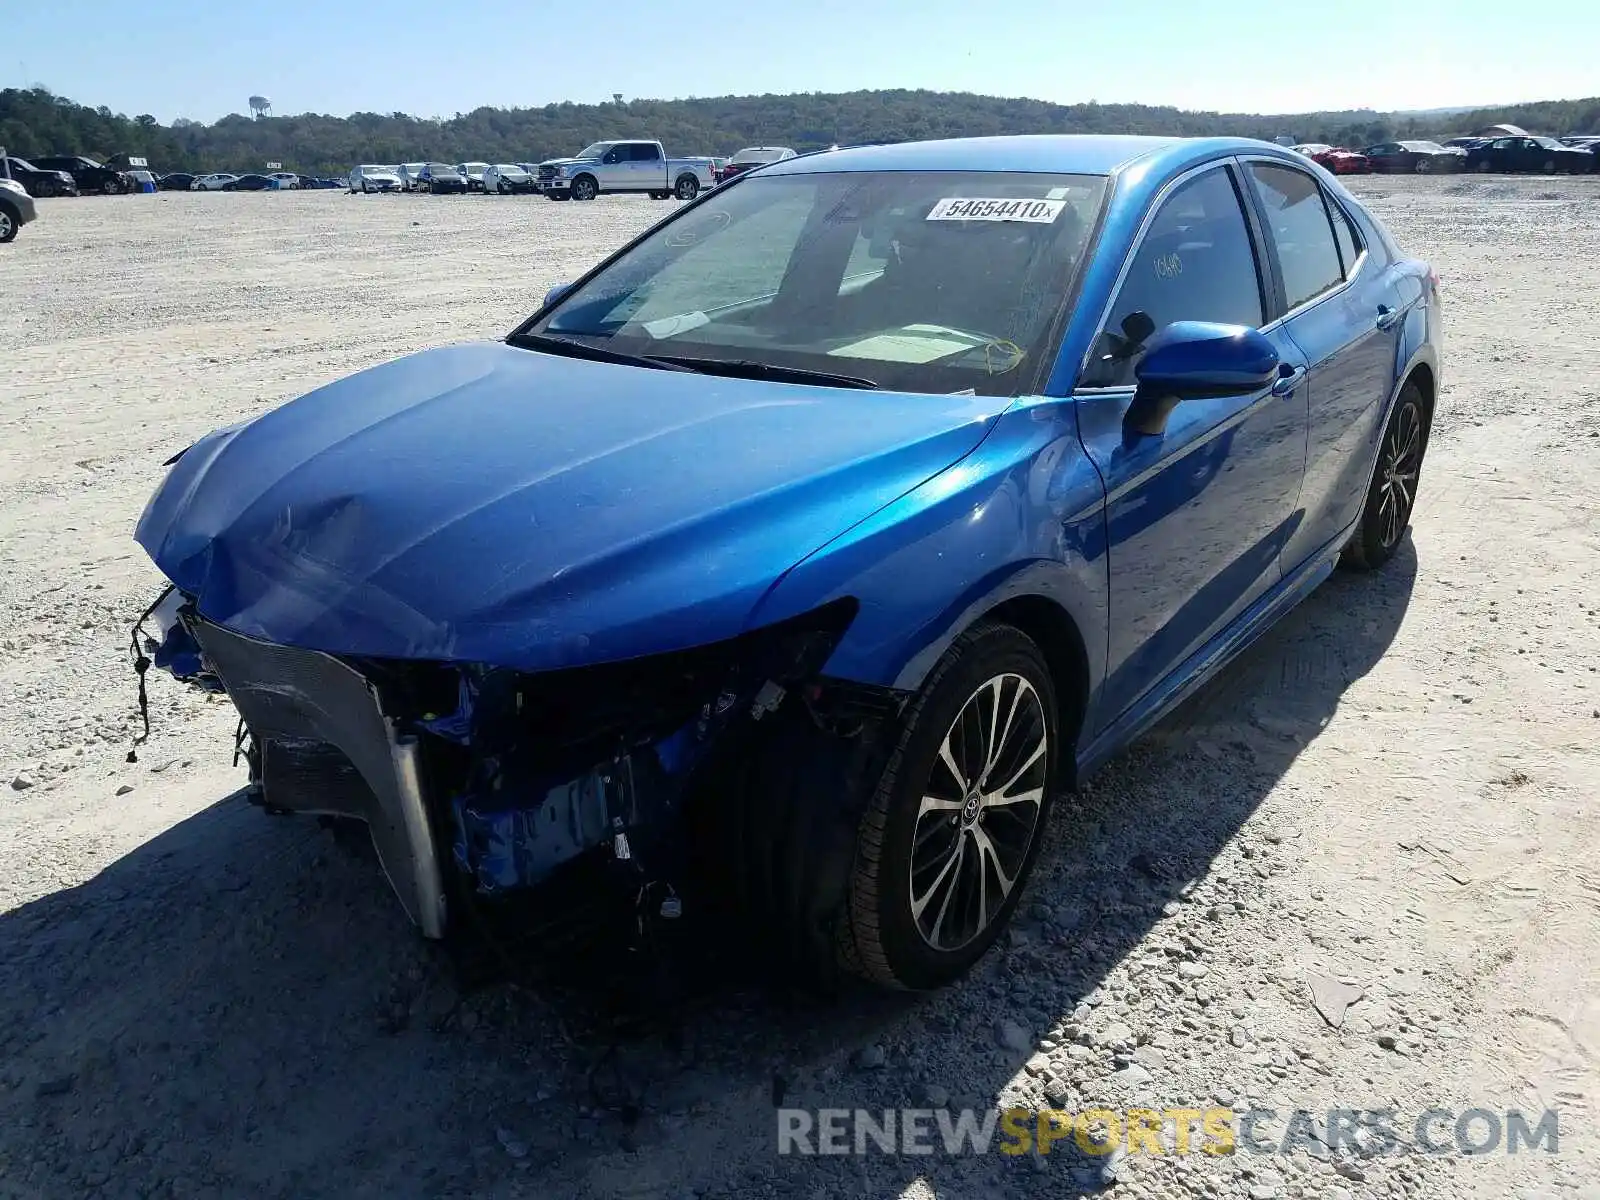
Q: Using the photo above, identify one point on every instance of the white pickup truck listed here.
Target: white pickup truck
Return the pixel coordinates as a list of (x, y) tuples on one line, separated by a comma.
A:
[(623, 166)]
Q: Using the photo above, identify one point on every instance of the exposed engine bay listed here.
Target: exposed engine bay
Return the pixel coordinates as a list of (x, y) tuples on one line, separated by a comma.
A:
[(479, 783)]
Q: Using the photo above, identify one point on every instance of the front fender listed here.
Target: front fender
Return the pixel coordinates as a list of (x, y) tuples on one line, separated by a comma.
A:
[(1022, 515)]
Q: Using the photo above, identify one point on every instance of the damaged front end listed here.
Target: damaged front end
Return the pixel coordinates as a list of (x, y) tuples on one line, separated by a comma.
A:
[(480, 782)]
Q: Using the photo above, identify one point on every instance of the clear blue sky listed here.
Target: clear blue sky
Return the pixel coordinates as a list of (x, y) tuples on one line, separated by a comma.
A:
[(203, 58)]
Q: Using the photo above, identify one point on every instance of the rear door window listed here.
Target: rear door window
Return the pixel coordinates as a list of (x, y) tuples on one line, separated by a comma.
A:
[(1302, 232), (1345, 234)]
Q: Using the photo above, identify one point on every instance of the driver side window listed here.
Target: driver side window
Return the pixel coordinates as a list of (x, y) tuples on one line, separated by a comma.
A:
[(1196, 263)]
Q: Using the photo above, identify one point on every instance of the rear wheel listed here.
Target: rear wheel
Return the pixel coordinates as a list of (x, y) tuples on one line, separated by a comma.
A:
[(1483, 166), (1549, 167), (687, 189), (1393, 491), (1423, 166), (951, 832)]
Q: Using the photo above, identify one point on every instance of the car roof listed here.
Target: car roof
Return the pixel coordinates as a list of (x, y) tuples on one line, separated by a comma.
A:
[(1069, 154)]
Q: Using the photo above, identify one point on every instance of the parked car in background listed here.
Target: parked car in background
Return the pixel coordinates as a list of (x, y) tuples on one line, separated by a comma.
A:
[(1465, 143), (1336, 158), (624, 166), (89, 175), (212, 183), (252, 183), (505, 178), (410, 177), (442, 179), (373, 177), (16, 209), (1093, 469), (38, 182), (472, 172), (1585, 141), (1415, 158), (176, 181), (287, 180), (1542, 155), (324, 184), (751, 157)]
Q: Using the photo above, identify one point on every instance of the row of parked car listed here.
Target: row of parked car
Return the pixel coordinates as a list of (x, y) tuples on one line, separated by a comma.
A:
[(636, 166), (1511, 154), (225, 181)]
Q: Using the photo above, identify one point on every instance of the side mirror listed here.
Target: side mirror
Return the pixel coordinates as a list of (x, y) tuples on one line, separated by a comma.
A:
[(1189, 359), (555, 293)]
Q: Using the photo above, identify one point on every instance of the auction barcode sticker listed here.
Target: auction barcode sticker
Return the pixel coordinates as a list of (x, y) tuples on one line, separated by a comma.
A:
[(972, 208)]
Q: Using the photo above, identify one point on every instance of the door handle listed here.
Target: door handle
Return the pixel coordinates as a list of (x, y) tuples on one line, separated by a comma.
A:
[(1286, 384), (1388, 316)]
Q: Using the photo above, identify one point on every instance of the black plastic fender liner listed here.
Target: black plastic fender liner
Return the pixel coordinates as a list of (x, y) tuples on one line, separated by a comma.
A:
[(773, 827)]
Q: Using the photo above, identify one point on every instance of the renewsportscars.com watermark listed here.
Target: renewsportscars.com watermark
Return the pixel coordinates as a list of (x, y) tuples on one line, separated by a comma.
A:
[(1213, 1131)]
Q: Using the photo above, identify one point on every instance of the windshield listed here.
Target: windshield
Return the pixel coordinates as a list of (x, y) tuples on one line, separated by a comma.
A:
[(595, 151), (757, 156), (915, 281), (508, 169), (1549, 143), (372, 170), (1423, 147)]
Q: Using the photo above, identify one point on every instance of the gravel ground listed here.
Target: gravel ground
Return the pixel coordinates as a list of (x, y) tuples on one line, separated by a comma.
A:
[(1394, 788)]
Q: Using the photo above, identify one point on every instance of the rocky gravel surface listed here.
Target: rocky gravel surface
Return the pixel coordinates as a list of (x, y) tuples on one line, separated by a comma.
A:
[(1357, 872)]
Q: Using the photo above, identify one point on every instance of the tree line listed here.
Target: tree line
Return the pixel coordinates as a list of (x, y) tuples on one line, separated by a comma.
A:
[(35, 122)]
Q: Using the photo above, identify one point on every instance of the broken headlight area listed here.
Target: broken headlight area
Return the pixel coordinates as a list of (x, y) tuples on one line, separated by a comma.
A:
[(479, 782)]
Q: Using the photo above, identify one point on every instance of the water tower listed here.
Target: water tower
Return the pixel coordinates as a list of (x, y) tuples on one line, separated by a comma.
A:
[(260, 107)]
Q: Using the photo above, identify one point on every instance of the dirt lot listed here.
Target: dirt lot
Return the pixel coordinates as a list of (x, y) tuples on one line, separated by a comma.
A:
[(1396, 787)]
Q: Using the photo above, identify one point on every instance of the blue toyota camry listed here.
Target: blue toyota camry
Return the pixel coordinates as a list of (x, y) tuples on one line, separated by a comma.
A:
[(787, 564)]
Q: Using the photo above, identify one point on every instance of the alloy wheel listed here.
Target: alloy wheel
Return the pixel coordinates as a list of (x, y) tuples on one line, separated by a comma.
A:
[(1401, 464), (7, 226), (979, 811)]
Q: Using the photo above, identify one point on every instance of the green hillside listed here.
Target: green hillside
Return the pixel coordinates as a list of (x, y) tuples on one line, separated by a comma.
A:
[(37, 122)]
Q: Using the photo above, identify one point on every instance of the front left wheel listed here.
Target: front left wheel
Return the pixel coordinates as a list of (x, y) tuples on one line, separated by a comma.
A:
[(951, 832)]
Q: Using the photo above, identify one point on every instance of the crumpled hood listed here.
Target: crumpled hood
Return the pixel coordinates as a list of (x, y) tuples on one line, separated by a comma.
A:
[(483, 503), (566, 162)]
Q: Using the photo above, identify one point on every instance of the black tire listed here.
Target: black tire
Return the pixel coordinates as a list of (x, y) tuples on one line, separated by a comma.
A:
[(10, 222), (660, 195), (1392, 494), (1549, 167), (904, 834), (1483, 166), (687, 188), (559, 195), (585, 188), (1423, 166)]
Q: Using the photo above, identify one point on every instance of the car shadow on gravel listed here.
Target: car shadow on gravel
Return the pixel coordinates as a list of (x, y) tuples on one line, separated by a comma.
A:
[(237, 1007)]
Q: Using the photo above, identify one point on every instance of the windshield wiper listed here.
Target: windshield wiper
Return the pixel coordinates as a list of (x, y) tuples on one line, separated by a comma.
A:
[(744, 368), (560, 345)]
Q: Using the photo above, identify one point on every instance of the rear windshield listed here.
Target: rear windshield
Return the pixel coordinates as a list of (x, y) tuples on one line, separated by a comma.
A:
[(757, 156), (916, 281)]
